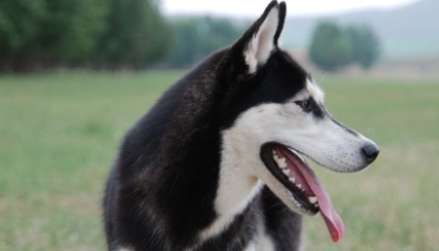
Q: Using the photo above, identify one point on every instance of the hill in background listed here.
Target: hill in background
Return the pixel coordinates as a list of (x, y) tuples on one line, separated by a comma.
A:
[(407, 32)]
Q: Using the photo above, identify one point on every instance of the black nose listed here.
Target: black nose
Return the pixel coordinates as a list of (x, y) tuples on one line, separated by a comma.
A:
[(370, 152)]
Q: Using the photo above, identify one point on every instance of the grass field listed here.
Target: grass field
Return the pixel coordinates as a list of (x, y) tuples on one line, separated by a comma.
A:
[(60, 131)]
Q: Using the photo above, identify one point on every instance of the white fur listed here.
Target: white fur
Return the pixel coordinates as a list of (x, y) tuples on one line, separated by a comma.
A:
[(251, 247), (263, 241), (315, 91), (262, 44), (235, 191), (125, 249)]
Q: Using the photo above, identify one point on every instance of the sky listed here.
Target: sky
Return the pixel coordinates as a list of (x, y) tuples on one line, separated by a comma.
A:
[(249, 8)]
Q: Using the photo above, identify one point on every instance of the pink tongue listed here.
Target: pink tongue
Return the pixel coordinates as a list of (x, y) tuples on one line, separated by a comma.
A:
[(333, 221)]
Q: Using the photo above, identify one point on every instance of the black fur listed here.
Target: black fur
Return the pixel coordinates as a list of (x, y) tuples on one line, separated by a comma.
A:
[(160, 193)]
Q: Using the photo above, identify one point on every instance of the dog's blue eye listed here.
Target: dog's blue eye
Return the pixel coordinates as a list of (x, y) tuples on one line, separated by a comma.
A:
[(306, 104)]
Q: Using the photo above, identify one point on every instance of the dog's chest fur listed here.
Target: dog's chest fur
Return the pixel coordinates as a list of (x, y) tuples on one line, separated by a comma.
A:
[(264, 225)]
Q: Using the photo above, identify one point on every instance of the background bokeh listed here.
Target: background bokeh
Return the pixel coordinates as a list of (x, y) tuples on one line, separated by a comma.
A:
[(75, 75)]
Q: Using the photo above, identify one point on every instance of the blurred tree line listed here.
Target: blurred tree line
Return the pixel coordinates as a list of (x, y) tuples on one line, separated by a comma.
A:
[(334, 47), (114, 34), (38, 34), (197, 37)]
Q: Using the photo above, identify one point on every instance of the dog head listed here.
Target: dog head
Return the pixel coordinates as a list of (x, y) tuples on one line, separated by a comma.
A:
[(275, 118)]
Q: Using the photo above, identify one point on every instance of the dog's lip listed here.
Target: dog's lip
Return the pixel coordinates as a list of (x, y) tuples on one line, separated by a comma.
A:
[(308, 179), (299, 196)]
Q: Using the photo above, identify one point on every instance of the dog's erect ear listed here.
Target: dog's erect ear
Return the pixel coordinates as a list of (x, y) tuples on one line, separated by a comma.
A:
[(261, 39)]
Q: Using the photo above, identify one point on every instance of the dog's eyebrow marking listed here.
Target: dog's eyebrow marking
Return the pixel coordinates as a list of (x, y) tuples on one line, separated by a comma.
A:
[(315, 91)]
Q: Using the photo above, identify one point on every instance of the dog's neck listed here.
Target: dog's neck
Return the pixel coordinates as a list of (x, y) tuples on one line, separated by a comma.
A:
[(227, 189), (236, 188), (216, 187), (194, 172)]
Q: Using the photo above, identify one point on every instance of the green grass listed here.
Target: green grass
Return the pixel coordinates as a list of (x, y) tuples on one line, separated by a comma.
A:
[(60, 131)]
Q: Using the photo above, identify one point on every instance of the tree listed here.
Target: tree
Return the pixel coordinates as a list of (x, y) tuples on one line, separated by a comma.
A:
[(17, 33), (334, 47), (331, 48), (365, 43), (196, 37), (136, 36), (44, 33), (41, 32), (72, 28)]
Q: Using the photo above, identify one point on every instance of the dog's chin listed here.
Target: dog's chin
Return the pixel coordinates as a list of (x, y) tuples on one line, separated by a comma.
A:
[(286, 166)]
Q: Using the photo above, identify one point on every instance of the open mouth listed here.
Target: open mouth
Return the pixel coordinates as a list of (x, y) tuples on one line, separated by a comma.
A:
[(305, 191)]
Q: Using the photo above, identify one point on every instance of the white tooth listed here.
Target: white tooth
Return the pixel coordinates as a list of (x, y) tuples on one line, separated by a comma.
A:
[(312, 199), (299, 185), (286, 172), (282, 162), (292, 179)]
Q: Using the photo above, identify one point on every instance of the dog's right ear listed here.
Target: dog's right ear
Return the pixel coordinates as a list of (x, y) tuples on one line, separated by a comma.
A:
[(261, 39)]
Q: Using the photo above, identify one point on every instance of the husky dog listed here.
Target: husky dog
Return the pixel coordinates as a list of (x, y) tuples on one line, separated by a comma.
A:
[(218, 163)]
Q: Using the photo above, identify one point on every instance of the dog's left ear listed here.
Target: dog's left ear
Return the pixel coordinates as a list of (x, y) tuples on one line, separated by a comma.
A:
[(261, 39)]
